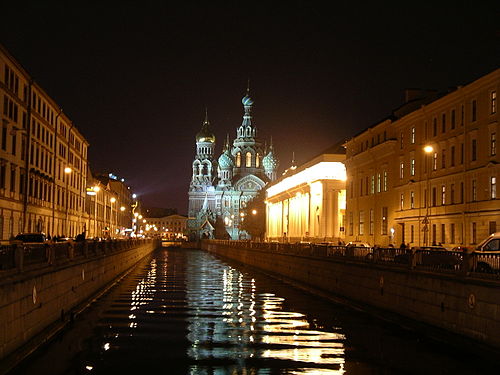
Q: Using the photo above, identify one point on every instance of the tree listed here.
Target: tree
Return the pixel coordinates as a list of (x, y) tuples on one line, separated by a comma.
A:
[(254, 222)]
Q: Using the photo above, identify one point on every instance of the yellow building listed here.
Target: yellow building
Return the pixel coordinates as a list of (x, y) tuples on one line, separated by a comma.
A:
[(307, 203), (428, 174), (169, 227), (43, 159)]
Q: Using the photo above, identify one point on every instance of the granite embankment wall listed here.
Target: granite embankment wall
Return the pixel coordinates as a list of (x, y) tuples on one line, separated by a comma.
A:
[(42, 287), (464, 303)]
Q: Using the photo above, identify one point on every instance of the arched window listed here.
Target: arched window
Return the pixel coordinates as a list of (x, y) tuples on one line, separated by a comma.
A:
[(257, 160), (238, 159), (249, 159)]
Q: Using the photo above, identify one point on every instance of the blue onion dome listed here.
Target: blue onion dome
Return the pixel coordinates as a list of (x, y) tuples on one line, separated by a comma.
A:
[(205, 134), (225, 160), (247, 101), (270, 161)]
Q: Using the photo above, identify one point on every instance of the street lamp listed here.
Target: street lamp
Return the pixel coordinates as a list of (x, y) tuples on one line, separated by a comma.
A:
[(67, 172), (96, 190), (112, 200), (428, 151)]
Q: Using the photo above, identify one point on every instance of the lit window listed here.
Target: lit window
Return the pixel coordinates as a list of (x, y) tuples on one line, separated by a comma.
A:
[(372, 185), (493, 144), (474, 190), (401, 170), (361, 223), (443, 195), (379, 183), (248, 159), (238, 159), (412, 135), (412, 167), (257, 160), (435, 161), (493, 187), (402, 201), (385, 180), (372, 219), (412, 200)]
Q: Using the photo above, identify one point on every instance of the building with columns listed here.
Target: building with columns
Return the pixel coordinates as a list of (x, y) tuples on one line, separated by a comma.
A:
[(43, 159), (428, 174), (221, 187), (307, 203)]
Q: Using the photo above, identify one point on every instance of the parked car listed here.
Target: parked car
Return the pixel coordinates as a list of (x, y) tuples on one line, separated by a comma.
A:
[(430, 256), (358, 244), (487, 254), (31, 238)]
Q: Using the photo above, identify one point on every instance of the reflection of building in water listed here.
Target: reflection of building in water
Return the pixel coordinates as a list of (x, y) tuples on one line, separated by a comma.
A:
[(230, 321), (308, 202)]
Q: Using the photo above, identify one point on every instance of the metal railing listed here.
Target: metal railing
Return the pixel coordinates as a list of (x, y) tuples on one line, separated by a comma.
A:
[(455, 262), (20, 256)]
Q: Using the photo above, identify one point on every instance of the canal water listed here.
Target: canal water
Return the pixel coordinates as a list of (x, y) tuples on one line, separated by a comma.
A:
[(188, 312)]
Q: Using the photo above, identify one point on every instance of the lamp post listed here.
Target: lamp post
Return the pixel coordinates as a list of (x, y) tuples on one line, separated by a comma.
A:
[(122, 209), (112, 201), (67, 172), (96, 190), (428, 151)]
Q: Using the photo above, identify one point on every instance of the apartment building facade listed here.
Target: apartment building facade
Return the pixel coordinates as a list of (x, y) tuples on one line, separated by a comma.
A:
[(43, 159), (428, 175)]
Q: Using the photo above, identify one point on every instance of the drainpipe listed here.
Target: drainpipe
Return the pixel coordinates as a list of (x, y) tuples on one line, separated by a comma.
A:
[(27, 154), (54, 173)]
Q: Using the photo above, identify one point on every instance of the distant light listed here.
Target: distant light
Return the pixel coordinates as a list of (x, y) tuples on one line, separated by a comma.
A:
[(112, 176), (254, 212), (428, 149), (122, 180), (122, 208), (67, 170), (134, 196), (112, 200)]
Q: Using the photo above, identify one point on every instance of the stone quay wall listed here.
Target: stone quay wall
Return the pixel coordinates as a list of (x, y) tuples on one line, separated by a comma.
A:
[(451, 297), (43, 286)]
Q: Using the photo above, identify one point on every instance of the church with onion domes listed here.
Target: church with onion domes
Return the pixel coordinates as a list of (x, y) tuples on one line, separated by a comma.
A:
[(221, 187)]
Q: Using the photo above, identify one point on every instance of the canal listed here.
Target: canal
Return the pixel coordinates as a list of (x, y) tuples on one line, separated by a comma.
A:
[(187, 312)]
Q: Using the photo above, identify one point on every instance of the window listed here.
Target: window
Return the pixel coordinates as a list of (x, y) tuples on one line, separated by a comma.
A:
[(493, 187), (361, 223), (452, 194), (443, 195), (443, 123), (384, 221), (13, 179), (248, 159), (434, 197), (434, 127), (257, 160), (461, 153), (474, 233), (402, 201), (474, 150), (412, 234), (452, 156), (412, 167), (372, 219), (434, 234), (493, 102), (493, 144), (2, 174), (412, 199), (385, 180), (402, 144), (461, 192), (379, 182), (462, 115), (238, 159), (412, 135), (443, 233), (492, 227), (473, 111), (452, 120), (435, 161), (474, 191), (372, 185), (401, 170), (351, 223), (4, 137), (443, 159)]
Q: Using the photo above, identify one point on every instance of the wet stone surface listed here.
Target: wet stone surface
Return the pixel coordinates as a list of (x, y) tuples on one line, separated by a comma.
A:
[(187, 312)]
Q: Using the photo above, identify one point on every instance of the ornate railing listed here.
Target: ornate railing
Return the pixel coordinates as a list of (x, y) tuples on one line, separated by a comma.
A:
[(455, 262), (21, 256)]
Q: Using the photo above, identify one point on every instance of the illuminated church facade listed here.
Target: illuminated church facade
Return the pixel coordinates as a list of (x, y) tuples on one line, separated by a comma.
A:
[(221, 187)]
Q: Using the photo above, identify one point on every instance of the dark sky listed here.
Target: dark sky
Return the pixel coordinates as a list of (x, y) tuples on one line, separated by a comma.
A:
[(136, 78)]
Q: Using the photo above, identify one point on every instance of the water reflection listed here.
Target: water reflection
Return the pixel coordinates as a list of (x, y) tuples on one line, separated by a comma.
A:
[(233, 323), (186, 312)]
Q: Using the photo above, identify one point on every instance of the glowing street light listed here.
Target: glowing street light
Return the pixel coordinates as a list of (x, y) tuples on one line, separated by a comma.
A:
[(67, 172), (428, 150)]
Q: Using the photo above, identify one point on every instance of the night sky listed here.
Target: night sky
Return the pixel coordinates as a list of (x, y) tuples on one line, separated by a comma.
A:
[(136, 79)]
